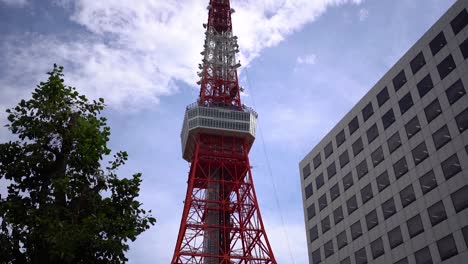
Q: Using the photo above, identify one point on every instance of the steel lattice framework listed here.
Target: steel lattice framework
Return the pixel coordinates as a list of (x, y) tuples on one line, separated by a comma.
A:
[(221, 221)]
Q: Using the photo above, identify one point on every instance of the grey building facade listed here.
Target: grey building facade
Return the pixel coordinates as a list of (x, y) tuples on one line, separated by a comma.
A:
[(389, 183)]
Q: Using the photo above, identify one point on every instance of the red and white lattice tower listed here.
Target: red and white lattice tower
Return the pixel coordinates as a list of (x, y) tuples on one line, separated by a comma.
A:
[(221, 222)]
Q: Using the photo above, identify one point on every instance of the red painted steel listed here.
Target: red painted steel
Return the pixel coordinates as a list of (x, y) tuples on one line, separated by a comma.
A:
[(221, 221)]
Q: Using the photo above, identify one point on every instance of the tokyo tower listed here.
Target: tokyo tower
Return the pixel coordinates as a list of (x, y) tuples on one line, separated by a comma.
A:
[(221, 221)]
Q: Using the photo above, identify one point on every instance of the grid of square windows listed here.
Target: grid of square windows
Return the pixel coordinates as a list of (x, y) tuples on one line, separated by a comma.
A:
[(348, 181), (383, 181), (377, 156), (388, 208), (341, 240), (316, 257), (309, 190), (334, 191), (344, 158), (311, 211), (400, 167), (460, 199), (357, 146), (423, 256), (331, 170), (323, 202), (319, 181), (366, 193), (325, 224), (407, 195), (351, 204), (415, 226), (361, 256), (362, 169), (372, 220), (329, 250), (356, 230), (313, 233), (328, 149), (447, 247), (377, 248), (317, 161), (395, 238), (338, 215), (306, 171)]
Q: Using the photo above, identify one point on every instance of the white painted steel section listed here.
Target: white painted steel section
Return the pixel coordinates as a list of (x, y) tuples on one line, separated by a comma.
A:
[(216, 121)]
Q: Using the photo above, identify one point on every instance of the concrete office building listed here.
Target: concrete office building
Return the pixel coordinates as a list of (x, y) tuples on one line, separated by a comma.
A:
[(389, 183)]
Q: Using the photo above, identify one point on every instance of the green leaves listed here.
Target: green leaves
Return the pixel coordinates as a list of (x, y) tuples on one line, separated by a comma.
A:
[(62, 207)]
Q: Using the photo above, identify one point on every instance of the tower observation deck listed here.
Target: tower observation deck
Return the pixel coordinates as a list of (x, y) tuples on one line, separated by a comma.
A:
[(221, 221)]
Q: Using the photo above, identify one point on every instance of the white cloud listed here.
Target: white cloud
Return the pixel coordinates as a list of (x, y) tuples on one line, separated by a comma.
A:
[(134, 51), (309, 59), (363, 14), (16, 3)]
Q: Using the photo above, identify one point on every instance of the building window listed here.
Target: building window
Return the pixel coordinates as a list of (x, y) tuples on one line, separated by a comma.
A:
[(313, 233), (340, 138), (344, 158), (323, 201), (366, 193), (441, 137), (388, 119), (425, 85), (459, 22), (402, 261), (395, 237), (329, 248), (460, 199), (399, 80), (388, 208), (415, 226), (420, 153), (423, 256), (308, 190), (465, 234), (405, 103), (372, 220), (353, 125), (362, 169), (394, 142), (377, 156), (451, 166), (446, 66), (437, 213), (347, 260), (325, 224), (428, 182), (342, 240), (367, 112), (464, 48), (372, 133), (383, 96), (447, 247), (383, 181), (360, 256), (306, 171), (319, 181), (358, 146), (347, 181), (331, 170), (407, 195), (455, 91), (462, 120), (412, 127), (316, 257), (335, 192), (351, 204), (317, 161), (377, 248), (417, 63), (328, 149), (338, 215), (438, 43), (433, 110), (310, 212), (400, 167)]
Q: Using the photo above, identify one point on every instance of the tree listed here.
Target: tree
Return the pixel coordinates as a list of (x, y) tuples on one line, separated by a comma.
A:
[(62, 206)]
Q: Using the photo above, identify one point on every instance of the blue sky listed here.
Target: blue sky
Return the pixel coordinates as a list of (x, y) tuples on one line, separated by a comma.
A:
[(305, 64)]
